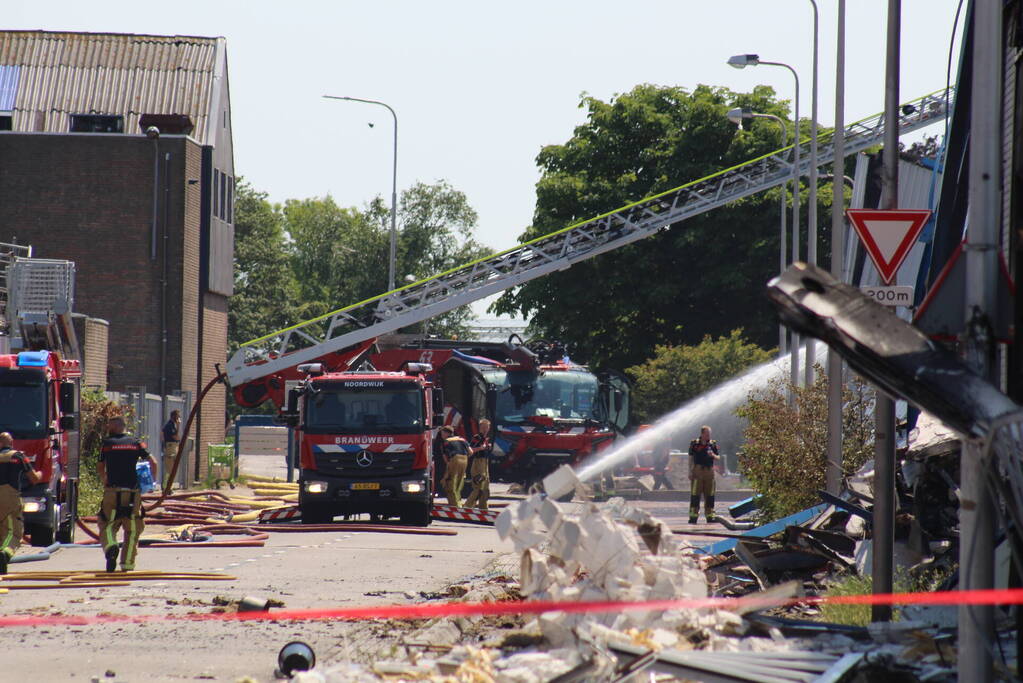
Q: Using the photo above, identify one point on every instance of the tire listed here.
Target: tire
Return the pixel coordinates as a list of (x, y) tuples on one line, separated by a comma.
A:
[(416, 515), (66, 530)]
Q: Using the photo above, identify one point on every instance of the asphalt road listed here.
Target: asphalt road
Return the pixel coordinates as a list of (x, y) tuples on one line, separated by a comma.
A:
[(303, 570)]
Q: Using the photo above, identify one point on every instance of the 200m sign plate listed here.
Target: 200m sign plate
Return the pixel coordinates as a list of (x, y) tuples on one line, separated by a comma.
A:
[(895, 295)]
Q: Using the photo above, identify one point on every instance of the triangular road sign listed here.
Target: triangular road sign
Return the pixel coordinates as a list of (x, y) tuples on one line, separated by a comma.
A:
[(888, 236)]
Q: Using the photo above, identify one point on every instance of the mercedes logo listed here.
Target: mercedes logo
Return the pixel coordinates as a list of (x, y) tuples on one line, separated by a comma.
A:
[(364, 459)]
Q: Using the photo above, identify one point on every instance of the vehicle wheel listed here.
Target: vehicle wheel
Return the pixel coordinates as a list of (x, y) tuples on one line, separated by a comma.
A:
[(66, 530), (41, 534), (416, 515)]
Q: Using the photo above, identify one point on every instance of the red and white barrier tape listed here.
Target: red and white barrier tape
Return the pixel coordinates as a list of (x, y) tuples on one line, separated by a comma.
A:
[(1012, 596)]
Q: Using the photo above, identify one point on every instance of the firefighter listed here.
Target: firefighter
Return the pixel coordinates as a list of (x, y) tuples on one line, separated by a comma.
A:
[(122, 499), (13, 466), (702, 454), (662, 458), (479, 467), (171, 437), (456, 452)]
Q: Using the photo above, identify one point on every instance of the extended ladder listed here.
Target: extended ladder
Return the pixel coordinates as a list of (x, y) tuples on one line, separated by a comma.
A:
[(559, 250)]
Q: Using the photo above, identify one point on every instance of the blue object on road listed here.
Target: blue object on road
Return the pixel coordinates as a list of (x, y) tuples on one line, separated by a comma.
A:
[(766, 530)]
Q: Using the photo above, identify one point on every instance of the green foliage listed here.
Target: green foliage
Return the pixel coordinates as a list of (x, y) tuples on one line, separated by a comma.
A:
[(703, 277), (678, 373), (785, 449), (96, 410), (310, 256)]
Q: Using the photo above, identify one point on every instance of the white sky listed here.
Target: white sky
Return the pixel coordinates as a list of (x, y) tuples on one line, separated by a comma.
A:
[(479, 87)]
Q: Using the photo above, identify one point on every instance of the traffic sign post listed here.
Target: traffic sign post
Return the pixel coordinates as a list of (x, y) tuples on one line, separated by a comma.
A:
[(888, 236)]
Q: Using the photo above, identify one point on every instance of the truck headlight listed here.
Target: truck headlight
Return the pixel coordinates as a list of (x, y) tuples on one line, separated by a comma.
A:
[(316, 487), (32, 504), (415, 486)]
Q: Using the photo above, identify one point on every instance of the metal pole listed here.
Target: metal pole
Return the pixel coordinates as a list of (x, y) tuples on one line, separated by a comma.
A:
[(976, 511), (811, 237), (794, 371), (394, 186), (833, 469), (782, 255), (884, 407)]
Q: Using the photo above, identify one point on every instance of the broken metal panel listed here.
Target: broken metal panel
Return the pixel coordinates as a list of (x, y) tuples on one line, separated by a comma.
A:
[(886, 350), (764, 531)]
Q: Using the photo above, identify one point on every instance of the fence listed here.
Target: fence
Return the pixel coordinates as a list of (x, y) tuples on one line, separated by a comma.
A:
[(150, 415)]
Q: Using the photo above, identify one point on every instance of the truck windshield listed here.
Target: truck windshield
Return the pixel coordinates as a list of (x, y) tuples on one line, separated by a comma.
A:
[(560, 394), (358, 411), (23, 405)]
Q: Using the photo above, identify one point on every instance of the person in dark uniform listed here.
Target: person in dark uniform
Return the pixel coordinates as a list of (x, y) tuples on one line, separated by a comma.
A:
[(702, 454), (14, 467), (122, 499), (439, 465), (171, 437)]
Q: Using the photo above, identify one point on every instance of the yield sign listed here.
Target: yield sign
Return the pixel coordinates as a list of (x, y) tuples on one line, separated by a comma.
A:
[(888, 235)]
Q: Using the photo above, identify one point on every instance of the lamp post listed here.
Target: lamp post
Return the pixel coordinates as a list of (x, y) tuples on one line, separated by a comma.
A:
[(741, 62), (811, 216), (737, 116), (394, 185)]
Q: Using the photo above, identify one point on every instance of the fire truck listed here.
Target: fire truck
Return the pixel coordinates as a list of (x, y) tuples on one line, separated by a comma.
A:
[(545, 410), (40, 373), (364, 440)]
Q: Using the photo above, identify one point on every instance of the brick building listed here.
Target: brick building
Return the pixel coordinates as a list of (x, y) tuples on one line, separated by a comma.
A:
[(116, 153)]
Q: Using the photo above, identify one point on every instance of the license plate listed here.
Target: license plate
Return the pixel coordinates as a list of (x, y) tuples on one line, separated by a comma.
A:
[(366, 486)]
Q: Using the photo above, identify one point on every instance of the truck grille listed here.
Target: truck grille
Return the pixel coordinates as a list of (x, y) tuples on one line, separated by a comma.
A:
[(355, 464)]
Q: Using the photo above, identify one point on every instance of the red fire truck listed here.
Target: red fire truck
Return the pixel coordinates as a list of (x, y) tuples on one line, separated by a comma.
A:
[(364, 440), (39, 392)]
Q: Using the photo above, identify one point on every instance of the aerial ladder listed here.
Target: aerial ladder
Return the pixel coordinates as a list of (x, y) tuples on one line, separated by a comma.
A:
[(261, 366)]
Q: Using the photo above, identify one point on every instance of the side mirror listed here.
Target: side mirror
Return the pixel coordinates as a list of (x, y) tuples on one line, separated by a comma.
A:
[(68, 423), (293, 396), (619, 400), (67, 398), (438, 401), (438, 420)]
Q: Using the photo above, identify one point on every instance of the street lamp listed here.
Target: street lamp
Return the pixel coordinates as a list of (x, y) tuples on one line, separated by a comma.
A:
[(394, 185), (737, 116), (741, 62)]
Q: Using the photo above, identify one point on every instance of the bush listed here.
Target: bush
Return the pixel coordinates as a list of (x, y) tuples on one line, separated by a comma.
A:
[(678, 373), (785, 447), (96, 410)]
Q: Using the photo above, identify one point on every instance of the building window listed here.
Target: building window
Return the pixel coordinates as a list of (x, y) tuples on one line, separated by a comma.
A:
[(96, 123), (6, 120), (216, 193), (230, 200)]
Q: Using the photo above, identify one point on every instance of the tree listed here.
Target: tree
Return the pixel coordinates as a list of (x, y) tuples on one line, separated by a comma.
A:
[(264, 290), (702, 277), (676, 374), (339, 256), (784, 455)]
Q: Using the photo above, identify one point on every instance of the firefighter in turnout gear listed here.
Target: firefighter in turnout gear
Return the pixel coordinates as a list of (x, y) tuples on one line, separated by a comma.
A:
[(13, 467), (702, 454), (479, 467), (122, 499), (456, 452)]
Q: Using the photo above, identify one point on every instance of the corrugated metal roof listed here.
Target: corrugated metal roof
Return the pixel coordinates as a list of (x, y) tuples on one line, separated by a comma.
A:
[(106, 73)]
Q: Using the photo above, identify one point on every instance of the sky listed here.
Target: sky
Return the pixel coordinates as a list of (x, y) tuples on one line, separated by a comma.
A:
[(480, 87)]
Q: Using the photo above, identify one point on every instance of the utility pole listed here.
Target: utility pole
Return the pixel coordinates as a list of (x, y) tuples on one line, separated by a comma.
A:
[(976, 510), (833, 467), (884, 406)]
